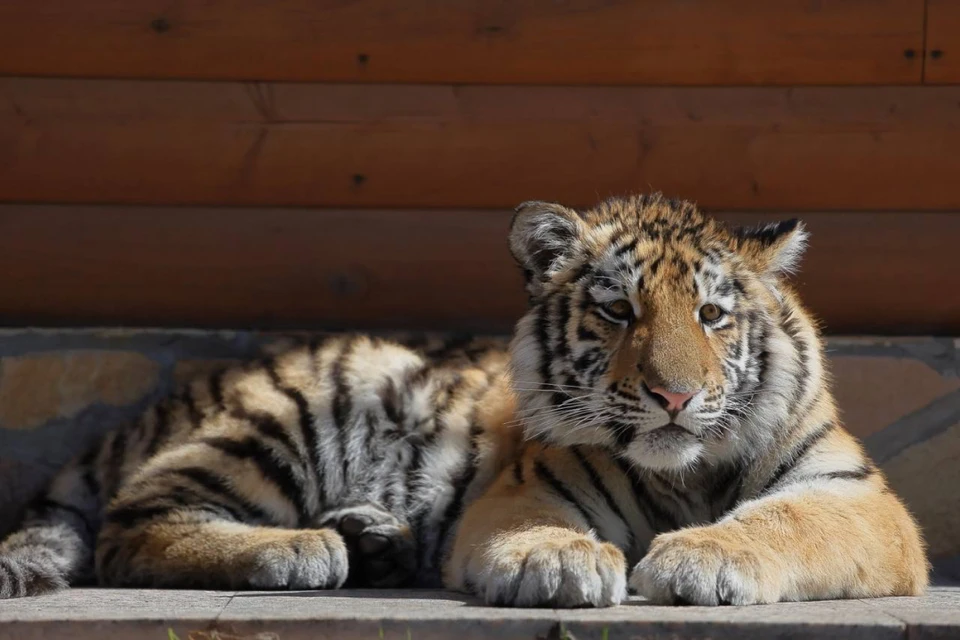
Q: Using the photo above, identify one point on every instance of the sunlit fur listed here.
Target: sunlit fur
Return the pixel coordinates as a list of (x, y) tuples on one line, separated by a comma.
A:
[(756, 492)]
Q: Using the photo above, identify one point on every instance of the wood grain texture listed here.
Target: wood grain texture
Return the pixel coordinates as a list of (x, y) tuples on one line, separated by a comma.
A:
[(396, 146), (864, 272), (469, 41), (942, 64)]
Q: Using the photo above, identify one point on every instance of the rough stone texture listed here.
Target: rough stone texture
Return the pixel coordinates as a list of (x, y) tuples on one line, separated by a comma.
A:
[(100, 614), (927, 477), (61, 389), (872, 392), (37, 388)]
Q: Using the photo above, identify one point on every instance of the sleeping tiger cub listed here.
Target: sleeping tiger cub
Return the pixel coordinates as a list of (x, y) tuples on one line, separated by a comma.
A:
[(663, 406)]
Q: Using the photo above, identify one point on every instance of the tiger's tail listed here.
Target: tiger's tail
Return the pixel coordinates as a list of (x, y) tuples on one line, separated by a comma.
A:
[(54, 545)]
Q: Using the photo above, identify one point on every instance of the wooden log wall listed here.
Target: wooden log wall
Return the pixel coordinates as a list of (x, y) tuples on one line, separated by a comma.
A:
[(320, 163)]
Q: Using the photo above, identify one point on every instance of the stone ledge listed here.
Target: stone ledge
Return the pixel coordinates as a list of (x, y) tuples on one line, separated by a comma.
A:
[(100, 614)]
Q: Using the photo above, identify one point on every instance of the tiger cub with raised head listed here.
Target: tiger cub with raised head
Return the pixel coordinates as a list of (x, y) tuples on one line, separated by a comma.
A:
[(677, 414), (684, 427)]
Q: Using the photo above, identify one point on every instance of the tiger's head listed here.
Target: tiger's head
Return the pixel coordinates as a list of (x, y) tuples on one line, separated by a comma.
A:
[(653, 329)]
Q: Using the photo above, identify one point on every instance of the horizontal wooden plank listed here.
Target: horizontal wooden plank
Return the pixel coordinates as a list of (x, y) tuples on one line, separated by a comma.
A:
[(469, 41), (942, 64), (865, 272), (150, 142)]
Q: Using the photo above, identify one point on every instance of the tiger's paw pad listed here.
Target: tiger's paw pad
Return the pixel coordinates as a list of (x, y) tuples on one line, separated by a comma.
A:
[(381, 547), (688, 567), (577, 572), (310, 559)]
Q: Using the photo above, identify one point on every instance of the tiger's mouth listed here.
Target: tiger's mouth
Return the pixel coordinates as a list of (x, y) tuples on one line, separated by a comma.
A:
[(674, 428)]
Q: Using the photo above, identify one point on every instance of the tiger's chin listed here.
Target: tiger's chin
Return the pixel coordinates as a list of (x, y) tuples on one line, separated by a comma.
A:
[(667, 448)]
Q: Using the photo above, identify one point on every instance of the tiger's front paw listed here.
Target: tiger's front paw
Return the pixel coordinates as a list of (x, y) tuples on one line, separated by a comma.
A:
[(701, 567), (573, 572), (305, 559)]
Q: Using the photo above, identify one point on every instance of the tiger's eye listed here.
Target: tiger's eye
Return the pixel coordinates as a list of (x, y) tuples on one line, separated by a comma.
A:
[(619, 309), (710, 313)]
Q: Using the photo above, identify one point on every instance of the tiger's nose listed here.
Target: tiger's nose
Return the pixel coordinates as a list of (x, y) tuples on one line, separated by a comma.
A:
[(671, 401)]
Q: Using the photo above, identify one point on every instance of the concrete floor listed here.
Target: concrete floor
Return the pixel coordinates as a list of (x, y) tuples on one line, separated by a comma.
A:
[(83, 614)]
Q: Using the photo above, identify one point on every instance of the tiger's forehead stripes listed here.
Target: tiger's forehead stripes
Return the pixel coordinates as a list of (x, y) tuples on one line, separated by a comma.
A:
[(632, 264)]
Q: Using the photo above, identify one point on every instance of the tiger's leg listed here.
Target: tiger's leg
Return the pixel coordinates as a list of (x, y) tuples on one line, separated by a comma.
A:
[(381, 547), (823, 534), (524, 544), (194, 548), (198, 517)]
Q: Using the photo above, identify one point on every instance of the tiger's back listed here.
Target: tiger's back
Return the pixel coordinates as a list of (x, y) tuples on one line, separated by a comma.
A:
[(243, 478)]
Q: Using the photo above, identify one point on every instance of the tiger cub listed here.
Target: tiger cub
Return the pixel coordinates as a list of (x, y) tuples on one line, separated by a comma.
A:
[(663, 406), (683, 426)]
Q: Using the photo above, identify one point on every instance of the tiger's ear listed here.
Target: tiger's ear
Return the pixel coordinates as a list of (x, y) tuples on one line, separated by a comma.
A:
[(543, 237), (773, 249)]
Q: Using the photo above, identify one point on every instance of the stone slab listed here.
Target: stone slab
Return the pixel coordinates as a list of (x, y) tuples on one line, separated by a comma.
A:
[(101, 614), (935, 616)]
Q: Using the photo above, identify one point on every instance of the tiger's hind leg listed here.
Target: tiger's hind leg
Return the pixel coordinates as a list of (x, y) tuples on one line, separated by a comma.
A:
[(381, 547)]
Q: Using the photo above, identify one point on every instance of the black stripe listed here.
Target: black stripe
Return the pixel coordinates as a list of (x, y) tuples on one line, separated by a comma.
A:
[(582, 272), (799, 343), (50, 504), (862, 472), (280, 473), (342, 404), (196, 501), (129, 516), (216, 388), (585, 334), (391, 401), (196, 416), (601, 488), (543, 341), (518, 472), (115, 460), (87, 463), (797, 454), (587, 359), (412, 471), (657, 517), (629, 247), (305, 419), (724, 491), (218, 486), (161, 429), (151, 507), (563, 319), (624, 433), (270, 427), (546, 476), (655, 265)]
